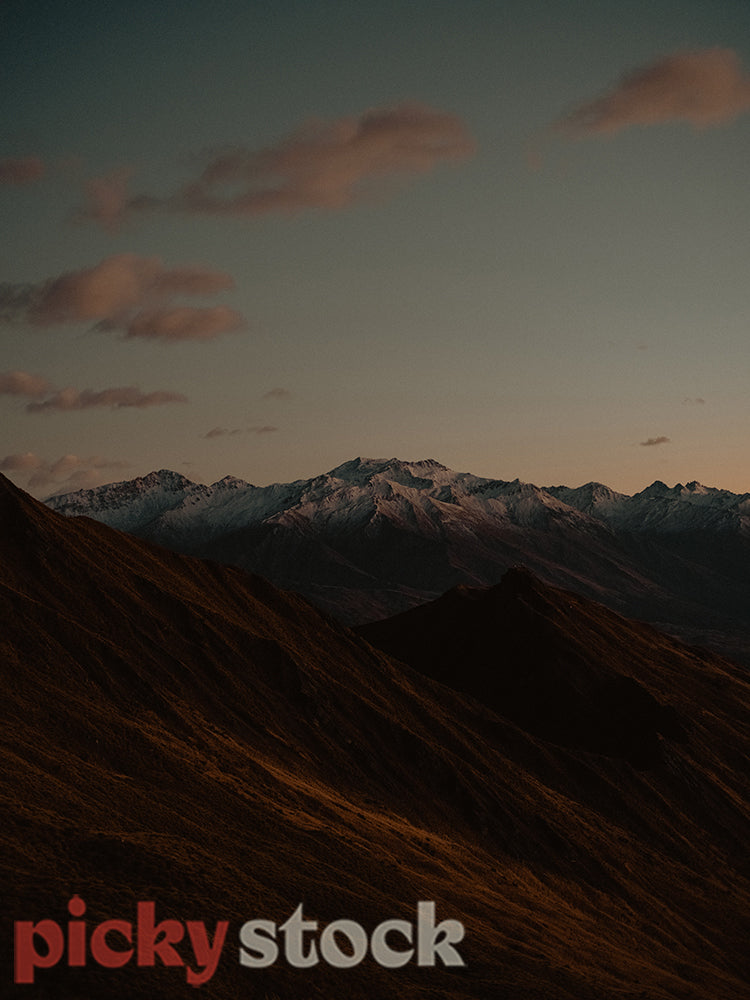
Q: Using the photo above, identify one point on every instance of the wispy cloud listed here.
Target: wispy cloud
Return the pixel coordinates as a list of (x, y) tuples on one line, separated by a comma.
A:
[(18, 462), (652, 442), (703, 87), (68, 472), (128, 293), (698, 401), (18, 383), (322, 164), (21, 171), (115, 398), (185, 323), (217, 432), (106, 198), (277, 393)]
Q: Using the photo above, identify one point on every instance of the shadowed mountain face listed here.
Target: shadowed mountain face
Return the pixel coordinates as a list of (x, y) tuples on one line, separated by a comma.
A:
[(181, 732), (560, 667), (372, 538)]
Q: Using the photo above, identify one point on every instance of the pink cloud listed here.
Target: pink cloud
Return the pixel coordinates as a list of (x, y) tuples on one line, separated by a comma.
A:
[(106, 198), (25, 462), (72, 471), (191, 281), (323, 164), (63, 468), (117, 285), (115, 398), (130, 293), (185, 323), (18, 383), (702, 87), (21, 171)]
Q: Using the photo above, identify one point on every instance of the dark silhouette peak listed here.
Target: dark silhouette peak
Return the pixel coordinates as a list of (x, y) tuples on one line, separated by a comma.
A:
[(559, 666), (520, 579)]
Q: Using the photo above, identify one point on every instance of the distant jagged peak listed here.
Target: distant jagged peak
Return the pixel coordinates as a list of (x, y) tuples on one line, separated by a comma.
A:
[(230, 483), (359, 468), (154, 491), (362, 471), (166, 478), (599, 491), (427, 465), (591, 498), (658, 489)]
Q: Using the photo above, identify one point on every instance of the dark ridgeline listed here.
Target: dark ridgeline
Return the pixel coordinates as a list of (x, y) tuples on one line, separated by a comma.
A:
[(571, 785)]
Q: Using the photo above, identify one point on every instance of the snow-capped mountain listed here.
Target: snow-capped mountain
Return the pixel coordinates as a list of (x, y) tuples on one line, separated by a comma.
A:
[(662, 508), (376, 536)]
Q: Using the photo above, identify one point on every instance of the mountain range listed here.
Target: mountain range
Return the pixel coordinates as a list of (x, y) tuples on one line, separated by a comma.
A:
[(372, 538), (569, 785)]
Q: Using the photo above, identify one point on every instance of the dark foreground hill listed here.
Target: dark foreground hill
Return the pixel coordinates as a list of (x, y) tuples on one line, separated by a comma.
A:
[(181, 733)]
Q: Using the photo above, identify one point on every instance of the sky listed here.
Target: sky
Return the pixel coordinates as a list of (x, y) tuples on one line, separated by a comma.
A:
[(260, 240)]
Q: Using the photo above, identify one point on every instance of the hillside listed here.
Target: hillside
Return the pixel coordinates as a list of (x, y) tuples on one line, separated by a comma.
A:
[(181, 732)]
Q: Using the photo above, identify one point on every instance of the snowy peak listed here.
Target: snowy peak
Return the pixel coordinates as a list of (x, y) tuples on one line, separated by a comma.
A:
[(684, 508), (589, 496), (164, 481), (230, 483), (422, 496), (130, 504), (659, 489), (373, 537), (656, 489), (362, 471)]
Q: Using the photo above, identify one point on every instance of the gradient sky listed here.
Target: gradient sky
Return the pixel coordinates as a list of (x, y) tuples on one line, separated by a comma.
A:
[(261, 239)]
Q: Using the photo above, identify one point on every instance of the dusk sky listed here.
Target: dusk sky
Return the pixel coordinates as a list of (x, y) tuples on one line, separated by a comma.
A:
[(261, 239)]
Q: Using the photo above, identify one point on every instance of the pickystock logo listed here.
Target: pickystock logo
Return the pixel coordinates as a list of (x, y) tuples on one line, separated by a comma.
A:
[(143, 942)]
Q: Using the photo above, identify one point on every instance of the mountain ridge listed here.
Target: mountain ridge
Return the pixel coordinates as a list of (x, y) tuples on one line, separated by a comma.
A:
[(655, 505), (373, 537)]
